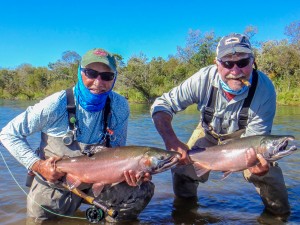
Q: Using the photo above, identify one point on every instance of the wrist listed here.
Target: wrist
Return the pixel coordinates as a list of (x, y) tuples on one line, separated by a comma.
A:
[(36, 167)]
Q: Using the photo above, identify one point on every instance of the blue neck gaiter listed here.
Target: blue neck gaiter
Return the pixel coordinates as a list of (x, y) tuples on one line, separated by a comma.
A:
[(226, 88), (87, 100)]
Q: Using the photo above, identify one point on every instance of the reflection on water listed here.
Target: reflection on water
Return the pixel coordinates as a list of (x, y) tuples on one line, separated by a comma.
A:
[(229, 201)]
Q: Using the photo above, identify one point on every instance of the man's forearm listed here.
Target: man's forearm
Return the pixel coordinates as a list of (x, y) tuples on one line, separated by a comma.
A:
[(163, 124)]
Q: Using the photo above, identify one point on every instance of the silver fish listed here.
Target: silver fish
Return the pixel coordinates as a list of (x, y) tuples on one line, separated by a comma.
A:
[(240, 154)]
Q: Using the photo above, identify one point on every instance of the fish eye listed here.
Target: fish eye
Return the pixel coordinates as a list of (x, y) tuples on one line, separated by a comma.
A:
[(162, 157), (275, 142)]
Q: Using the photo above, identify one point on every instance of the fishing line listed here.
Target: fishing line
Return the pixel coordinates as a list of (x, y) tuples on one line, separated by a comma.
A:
[(57, 214)]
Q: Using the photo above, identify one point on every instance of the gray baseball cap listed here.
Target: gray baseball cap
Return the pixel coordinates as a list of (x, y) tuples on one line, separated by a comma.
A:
[(233, 43)]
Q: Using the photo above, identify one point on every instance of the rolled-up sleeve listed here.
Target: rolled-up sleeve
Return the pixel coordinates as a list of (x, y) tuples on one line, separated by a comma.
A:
[(189, 92)]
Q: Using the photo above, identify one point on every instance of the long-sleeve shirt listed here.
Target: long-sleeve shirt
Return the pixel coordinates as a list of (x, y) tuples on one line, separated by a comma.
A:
[(196, 90), (50, 116)]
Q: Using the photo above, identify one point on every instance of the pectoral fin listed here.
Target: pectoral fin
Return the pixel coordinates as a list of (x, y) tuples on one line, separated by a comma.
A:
[(200, 170), (140, 178), (226, 174), (97, 188), (72, 181)]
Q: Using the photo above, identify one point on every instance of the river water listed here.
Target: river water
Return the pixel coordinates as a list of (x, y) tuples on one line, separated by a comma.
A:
[(229, 201)]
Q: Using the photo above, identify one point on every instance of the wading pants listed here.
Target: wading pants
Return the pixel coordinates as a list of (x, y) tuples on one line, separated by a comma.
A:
[(271, 187), (128, 201)]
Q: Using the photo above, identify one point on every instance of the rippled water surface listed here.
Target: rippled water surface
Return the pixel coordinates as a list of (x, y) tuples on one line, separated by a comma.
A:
[(229, 201)]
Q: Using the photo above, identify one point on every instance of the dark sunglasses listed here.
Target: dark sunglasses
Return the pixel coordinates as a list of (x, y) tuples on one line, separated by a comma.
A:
[(93, 74), (230, 64)]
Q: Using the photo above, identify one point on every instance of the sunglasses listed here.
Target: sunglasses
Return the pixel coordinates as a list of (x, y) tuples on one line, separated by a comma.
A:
[(93, 74), (230, 64)]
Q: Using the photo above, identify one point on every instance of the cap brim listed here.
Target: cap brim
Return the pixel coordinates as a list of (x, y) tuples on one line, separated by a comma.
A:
[(234, 50), (104, 61)]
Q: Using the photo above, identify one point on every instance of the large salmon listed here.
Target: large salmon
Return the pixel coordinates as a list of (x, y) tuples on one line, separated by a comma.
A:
[(240, 154), (107, 165)]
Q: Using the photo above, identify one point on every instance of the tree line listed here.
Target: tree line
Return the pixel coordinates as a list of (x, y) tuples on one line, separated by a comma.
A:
[(142, 80)]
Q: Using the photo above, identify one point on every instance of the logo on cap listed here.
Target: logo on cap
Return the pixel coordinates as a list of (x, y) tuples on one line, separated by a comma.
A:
[(100, 53), (232, 41)]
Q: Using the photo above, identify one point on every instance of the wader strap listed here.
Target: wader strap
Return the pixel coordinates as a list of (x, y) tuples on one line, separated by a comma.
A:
[(107, 115), (210, 106), (209, 109), (71, 108), (243, 116)]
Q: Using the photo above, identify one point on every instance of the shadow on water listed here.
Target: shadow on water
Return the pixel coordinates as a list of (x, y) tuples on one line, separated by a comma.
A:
[(229, 201), (188, 210)]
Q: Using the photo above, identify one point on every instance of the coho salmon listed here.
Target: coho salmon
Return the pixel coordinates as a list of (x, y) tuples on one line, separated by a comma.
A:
[(106, 165), (240, 154)]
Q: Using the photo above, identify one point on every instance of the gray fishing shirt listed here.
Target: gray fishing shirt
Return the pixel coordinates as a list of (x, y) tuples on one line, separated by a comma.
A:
[(51, 117), (196, 90)]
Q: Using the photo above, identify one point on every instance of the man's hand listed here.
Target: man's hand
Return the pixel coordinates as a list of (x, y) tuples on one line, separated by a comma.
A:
[(262, 168), (133, 179), (162, 121), (180, 147), (47, 169)]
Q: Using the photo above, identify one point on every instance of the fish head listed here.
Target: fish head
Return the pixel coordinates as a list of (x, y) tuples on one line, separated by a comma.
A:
[(158, 160), (275, 147)]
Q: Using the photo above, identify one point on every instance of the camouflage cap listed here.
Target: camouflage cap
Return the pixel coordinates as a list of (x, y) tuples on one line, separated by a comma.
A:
[(233, 43), (99, 55)]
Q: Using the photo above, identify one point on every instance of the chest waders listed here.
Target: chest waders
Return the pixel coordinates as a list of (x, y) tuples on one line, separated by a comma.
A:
[(205, 129), (69, 146), (95, 213), (271, 186), (185, 180)]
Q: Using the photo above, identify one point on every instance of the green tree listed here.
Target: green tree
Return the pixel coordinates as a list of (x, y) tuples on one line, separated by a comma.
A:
[(281, 62), (199, 50), (175, 72), (64, 71), (293, 32), (137, 75), (39, 80), (10, 83)]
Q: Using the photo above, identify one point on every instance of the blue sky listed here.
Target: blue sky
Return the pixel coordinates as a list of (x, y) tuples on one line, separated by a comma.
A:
[(38, 32)]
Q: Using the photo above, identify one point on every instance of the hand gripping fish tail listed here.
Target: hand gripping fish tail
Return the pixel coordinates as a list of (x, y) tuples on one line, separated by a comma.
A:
[(95, 213), (240, 154)]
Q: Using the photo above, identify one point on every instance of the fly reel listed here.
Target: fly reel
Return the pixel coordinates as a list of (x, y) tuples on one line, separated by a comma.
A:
[(94, 214)]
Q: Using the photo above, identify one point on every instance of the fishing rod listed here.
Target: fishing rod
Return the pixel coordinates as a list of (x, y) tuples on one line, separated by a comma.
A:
[(93, 214)]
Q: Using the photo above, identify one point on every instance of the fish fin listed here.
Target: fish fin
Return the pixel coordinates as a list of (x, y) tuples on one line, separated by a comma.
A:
[(65, 157), (225, 142), (72, 181), (96, 148), (97, 188), (140, 178), (199, 169), (226, 174), (114, 184)]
